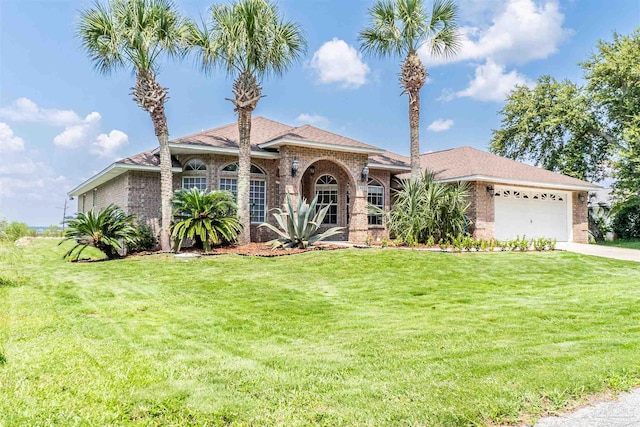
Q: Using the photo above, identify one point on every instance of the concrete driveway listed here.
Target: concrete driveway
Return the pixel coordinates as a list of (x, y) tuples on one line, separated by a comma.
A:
[(601, 251), (622, 412)]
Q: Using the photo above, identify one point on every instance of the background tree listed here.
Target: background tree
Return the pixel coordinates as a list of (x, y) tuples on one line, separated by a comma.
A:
[(249, 40), (581, 131), (554, 125), (135, 34), (400, 28)]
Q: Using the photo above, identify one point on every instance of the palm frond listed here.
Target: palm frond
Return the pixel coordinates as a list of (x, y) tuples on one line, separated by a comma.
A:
[(248, 36)]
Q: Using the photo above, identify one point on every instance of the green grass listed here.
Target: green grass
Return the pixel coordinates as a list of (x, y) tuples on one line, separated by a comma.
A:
[(627, 243), (351, 337)]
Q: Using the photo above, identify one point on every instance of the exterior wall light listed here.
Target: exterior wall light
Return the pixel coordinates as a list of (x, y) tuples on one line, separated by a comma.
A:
[(312, 170), (365, 173), (581, 198), (294, 167), (491, 191)]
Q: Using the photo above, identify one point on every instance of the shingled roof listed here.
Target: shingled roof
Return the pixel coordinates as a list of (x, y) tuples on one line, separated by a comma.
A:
[(266, 133), (471, 164), (148, 158)]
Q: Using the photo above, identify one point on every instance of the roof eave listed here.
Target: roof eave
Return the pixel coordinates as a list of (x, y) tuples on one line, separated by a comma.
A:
[(320, 145), (526, 183), (184, 148), (390, 167), (112, 171)]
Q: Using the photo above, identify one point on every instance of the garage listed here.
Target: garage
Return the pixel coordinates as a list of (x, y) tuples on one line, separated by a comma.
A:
[(532, 213)]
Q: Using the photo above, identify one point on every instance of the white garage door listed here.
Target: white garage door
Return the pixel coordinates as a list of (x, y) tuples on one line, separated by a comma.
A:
[(531, 213)]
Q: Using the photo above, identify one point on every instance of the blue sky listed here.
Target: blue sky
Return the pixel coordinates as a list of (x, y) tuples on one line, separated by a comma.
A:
[(61, 122)]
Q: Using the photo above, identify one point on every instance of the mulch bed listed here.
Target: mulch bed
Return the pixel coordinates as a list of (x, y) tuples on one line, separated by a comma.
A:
[(252, 249), (263, 250)]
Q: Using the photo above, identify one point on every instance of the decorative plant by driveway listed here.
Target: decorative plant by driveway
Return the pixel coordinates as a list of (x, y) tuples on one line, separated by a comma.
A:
[(209, 218), (424, 208), (298, 227), (108, 230)]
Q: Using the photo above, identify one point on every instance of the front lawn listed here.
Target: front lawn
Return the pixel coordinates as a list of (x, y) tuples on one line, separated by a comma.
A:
[(349, 337), (627, 243)]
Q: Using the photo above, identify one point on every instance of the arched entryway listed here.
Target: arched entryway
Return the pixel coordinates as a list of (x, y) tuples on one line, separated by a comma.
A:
[(334, 187)]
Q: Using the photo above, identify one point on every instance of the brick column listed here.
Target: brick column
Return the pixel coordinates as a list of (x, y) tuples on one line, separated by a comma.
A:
[(580, 217), (359, 227), (288, 184)]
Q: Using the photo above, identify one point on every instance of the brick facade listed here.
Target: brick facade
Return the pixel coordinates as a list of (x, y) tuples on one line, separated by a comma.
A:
[(580, 217), (138, 192), (481, 210)]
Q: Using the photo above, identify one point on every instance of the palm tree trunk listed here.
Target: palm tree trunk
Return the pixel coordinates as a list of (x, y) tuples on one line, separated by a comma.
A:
[(151, 97), (412, 78), (414, 126), (244, 174), (247, 92)]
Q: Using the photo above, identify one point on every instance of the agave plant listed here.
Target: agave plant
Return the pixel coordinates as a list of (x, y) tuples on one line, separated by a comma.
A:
[(107, 230), (298, 227), (209, 218)]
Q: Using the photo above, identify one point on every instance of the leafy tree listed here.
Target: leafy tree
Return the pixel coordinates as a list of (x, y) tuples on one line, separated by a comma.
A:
[(249, 40), (209, 218), (581, 131), (52, 231), (555, 126), (108, 230), (135, 34), (613, 78), (425, 208), (399, 28), (626, 220)]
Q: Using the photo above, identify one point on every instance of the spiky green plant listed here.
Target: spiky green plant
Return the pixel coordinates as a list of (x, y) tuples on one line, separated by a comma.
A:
[(209, 217), (108, 230), (424, 208), (298, 227)]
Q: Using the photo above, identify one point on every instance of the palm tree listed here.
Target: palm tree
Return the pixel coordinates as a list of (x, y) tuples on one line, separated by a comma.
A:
[(134, 34), (249, 40), (401, 28)]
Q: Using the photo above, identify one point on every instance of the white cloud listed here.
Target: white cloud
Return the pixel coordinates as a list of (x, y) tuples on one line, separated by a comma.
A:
[(75, 135), (492, 83), (8, 141), (313, 119), (106, 145), (337, 62), (522, 31), (25, 110), (440, 125)]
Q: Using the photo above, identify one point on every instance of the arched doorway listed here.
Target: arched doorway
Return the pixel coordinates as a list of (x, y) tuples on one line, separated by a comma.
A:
[(332, 184)]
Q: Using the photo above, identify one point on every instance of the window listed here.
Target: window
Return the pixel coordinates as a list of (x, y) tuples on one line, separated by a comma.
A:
[(327, 193), (257, 189), (375, 197), (195, 175)]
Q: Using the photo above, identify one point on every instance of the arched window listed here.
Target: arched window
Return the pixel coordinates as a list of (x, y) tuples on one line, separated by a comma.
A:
[(327, 192), (375, 197), (257, 189), (195, 175)]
